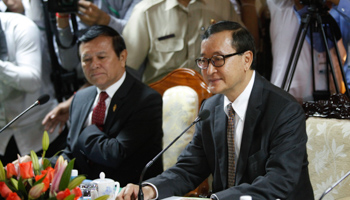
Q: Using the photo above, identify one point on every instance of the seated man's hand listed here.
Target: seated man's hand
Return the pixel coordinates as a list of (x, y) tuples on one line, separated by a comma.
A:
[(131, 191), (90, 14), (57, 117)]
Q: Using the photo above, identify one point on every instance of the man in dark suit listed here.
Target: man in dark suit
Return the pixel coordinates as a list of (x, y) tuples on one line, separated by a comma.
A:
[(268, 159), (122, 137)]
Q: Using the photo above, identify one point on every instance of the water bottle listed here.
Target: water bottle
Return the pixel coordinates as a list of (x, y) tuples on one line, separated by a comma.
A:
[(73, 174)]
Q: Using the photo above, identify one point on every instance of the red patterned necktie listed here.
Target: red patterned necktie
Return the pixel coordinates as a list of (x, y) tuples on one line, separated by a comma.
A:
[(98, 114), (231, 147)]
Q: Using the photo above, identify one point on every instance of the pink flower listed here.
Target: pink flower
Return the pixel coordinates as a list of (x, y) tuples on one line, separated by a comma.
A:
[(26, 170), (36, 191), (60, 166), (13, 196)]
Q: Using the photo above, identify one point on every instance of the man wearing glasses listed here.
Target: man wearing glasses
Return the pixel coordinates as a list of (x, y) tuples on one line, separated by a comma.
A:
[(253, 143)]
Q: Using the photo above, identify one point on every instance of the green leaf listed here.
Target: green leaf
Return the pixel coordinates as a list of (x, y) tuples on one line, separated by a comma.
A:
[(66, 175), (76, 181), (21, 188), (70, 197), (14, 183), (104, 197), (30, 182), (11, 185), (35, 162), (46, 163), (2, 172), (58, 152)]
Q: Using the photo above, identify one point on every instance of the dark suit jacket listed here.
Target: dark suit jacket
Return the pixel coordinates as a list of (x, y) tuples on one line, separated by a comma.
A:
[(132, 133), (272, 162)]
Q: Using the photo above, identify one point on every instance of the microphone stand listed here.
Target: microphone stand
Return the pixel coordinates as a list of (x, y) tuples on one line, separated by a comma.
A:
[(18, 116), (41, 100), (150, 163), (335, 184)]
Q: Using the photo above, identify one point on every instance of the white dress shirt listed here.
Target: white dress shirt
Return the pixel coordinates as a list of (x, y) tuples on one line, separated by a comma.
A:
[(111, 90), (240, 108)]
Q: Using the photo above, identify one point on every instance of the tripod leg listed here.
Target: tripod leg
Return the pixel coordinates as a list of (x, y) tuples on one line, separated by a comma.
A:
[(329, 58), (298, 44)]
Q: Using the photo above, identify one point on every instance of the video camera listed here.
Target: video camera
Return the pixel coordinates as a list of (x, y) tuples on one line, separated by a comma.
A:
[(63, 6), (318, 3)]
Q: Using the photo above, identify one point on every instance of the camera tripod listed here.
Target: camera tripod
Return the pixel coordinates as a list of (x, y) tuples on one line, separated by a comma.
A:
[(316, 17)]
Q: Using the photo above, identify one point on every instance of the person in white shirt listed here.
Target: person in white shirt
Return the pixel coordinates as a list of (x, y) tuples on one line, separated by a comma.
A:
[(21, 84)]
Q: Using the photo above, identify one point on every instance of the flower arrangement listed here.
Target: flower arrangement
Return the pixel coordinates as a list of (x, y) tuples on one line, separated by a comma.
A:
[(30, 178)]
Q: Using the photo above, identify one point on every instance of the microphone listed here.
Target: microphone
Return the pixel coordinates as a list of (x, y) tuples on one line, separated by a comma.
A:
[(204, 114), (335, 184), (41, 100)]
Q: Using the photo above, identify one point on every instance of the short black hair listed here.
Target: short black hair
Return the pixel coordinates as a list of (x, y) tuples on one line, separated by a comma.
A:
[(98, 30), (242, 40)]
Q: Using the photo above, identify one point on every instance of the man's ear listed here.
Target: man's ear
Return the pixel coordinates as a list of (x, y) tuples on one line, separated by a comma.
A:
[(248, 60), (123, 55)]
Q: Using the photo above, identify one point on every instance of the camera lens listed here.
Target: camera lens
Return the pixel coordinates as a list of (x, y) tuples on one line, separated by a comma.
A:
[(67, 2)]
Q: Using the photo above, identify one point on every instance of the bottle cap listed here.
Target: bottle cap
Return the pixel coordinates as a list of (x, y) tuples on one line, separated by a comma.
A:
[(245, 197), (74, 172)]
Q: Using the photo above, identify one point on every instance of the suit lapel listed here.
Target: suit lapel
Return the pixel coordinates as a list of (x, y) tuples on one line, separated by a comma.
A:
[(252, 116), (82, 105), (117, 102), (220, 138), (86, 107)]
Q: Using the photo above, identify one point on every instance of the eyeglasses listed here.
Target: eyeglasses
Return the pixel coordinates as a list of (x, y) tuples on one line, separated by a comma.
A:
[(216, 61)]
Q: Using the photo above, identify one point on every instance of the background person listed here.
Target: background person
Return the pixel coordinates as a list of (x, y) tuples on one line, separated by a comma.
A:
[(21, 84), (34, 11), (165, 35)]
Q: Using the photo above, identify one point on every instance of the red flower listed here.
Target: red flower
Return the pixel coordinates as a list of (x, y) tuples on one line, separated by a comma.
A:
[(46, 181), (13, 196), (63, 194), (26, 170), (11, 170), (49, 171), (77, 192), (4, 190)]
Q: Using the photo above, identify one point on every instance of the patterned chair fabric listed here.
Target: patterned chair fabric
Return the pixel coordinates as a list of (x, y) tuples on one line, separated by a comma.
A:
[(328, 150), (180, 108)]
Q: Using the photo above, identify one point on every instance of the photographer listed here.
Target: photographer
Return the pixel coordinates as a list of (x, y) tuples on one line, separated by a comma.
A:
[(114, 14), (285, 21), (337, 11)]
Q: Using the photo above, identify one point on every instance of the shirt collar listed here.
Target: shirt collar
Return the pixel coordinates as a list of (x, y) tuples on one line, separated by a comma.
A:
[(111, 90), (169, 4), (241, 103)]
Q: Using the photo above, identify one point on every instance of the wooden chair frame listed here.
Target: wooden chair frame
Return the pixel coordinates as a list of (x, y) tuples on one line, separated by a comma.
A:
[(193, 79)]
